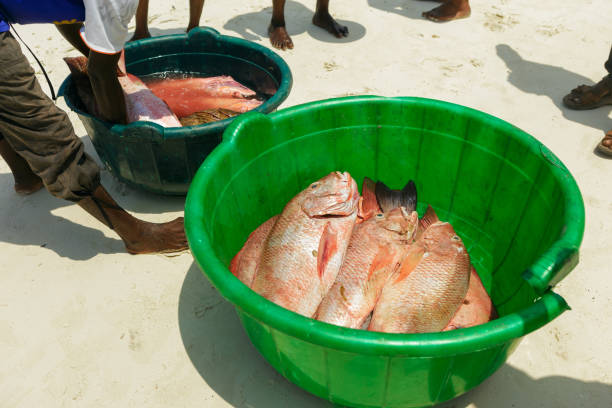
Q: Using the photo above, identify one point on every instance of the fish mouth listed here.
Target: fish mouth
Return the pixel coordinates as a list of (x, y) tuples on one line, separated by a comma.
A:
[(340, 204)]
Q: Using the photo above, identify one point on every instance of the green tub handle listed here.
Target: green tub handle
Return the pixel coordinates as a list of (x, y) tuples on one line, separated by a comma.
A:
[(551, 267)]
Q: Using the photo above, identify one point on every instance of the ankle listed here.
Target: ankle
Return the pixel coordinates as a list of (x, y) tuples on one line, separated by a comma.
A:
[(277, 23)]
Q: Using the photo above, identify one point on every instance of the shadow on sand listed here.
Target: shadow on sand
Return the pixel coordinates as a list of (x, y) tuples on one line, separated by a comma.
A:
[(30, 219), (30, 222), (407, 8), (512, 388), (223, 355), (554, 82), (254, 26)]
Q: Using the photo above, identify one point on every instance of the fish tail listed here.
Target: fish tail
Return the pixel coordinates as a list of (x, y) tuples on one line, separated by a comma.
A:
[(389, 199)]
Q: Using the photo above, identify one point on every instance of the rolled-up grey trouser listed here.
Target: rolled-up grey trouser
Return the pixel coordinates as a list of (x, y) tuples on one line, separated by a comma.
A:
[(39, 131)]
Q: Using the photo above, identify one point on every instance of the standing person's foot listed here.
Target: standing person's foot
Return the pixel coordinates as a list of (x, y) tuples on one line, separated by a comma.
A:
[(279, 38), (26, 181), (605, 146), (590, 97), (191, 27), (140, 36), (139, 237), (150, 238), (327, 22), (28, 184), (450, 10)]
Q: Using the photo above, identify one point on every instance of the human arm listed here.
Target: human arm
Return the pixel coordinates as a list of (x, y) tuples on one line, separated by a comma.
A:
[(71, 32), (102, 69)]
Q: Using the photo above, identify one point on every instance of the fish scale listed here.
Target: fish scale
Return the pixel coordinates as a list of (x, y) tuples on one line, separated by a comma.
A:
[(373, 253), (304, 250), (426, 291)]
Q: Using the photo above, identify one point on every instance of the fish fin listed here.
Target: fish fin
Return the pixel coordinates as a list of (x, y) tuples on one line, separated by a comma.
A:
[(429, 218), (360, 211), (328, 246), (369, 206), (410, 262), (382, 258), (389, 199)]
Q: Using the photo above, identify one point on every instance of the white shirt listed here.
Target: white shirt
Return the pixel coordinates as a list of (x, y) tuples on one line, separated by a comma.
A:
[(105, 28)]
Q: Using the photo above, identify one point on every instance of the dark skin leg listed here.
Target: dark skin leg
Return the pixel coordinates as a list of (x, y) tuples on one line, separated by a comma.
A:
[(278, 33), (142, 21), (195, 12), (26, 182), (449, 10), (102, 70), (140, 237), (323, 19), (71, 32)]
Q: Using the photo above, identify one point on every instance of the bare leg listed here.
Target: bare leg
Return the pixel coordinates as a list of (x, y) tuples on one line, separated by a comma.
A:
[(278, 33), (26, 182), (142, 21), (140, 237), (449, 10), (195, 12), (323, 19)]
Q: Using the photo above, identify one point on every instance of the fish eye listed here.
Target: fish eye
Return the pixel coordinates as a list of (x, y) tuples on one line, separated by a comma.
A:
[(456, 238), (314, 185)]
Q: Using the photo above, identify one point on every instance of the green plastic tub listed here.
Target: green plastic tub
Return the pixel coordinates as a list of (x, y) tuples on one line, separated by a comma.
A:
[(515, 205), (164, 160)]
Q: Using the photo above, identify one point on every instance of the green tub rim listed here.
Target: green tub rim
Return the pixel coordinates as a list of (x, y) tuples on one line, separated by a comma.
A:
[(197, 34), (552, 266)]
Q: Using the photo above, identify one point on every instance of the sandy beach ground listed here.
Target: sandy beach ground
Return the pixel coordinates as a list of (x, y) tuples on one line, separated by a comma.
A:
[(83, 324)]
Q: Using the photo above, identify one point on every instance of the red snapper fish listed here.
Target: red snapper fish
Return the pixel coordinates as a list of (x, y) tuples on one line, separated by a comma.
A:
[(244, 264), (141, 103), (186, 96), (426, 291), (305, 248), (374, 252), (476, 308)]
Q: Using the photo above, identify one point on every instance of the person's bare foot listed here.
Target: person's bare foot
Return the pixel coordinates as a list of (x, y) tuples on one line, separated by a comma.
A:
[(327, 22), (139, 237), (449, 10), (26, 181), (157, 238), (279, 38), (26, 185), (140, 35)]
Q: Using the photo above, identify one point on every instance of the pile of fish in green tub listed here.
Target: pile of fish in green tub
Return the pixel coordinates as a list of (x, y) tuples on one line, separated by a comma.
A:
[(514, 204), (164, 160)]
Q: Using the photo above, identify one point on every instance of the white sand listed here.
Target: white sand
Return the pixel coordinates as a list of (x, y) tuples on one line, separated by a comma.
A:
[(83, 324)]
